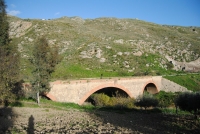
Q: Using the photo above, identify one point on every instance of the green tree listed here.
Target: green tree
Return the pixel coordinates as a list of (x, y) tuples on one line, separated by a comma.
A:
[(44, 61), (4, 26), (9, 60)]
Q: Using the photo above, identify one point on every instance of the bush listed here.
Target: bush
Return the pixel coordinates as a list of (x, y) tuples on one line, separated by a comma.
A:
[(165, 99), (121, 102), (146, 100), (189, 102), (100, 99), (118, 102)]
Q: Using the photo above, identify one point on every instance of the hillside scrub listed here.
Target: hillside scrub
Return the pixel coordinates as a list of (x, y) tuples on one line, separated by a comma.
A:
[(110, 46)]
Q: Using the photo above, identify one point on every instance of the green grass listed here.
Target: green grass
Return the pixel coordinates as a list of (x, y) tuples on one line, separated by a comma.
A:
[(44, 103), (190, 81), (16, 104), (62, 105), (74, 71)]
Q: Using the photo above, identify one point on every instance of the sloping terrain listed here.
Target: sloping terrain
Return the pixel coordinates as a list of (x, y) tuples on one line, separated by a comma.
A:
[(109, 46)]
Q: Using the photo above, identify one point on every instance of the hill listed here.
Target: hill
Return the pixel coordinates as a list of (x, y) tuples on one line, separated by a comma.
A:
[(109, 46)]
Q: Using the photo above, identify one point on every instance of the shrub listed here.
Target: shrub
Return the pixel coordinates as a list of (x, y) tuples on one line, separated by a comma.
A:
[(189, 102), (146, 100), (119, 102), (100, 99), (165, 98)]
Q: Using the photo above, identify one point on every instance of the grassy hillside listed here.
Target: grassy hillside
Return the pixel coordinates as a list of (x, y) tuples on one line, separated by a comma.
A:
[(108, 46), (190, 81)]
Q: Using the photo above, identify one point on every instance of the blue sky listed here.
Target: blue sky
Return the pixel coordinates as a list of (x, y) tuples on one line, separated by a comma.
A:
[(169, 12)]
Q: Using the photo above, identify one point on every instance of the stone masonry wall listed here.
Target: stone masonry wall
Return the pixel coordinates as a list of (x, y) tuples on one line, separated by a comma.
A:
[(78, 91), (169, 86)]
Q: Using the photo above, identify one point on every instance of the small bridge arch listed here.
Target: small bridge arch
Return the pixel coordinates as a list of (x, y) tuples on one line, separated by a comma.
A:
[(84, 98), (150, 87)]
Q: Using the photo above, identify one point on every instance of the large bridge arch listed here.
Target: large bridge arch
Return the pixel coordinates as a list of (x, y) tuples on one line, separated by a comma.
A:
[(150, 87), (84, 98)]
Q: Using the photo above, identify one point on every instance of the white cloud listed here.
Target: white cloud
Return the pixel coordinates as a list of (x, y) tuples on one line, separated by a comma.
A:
[(57, 13), (13, 5), (13, 12)]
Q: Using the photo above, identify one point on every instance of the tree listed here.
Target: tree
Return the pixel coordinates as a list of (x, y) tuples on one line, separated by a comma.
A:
[(9, 59), (4, 26), (44, 61)]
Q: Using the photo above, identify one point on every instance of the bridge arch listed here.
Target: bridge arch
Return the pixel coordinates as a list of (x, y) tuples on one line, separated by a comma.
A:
[(150, 87), (84, 98)]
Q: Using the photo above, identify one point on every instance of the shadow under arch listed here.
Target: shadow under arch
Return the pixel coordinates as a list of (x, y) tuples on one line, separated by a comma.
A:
[(151, 88), (84, 98)]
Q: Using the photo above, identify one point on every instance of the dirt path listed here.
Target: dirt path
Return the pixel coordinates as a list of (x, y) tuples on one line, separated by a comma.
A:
[(47, 120)]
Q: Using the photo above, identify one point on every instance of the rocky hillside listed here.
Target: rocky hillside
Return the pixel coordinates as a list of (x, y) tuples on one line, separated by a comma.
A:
[(110, 46)]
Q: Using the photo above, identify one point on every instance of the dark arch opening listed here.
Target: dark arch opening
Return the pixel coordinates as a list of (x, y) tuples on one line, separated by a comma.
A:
[(45, 97), (109, 91), (112, 92), (151, 88)]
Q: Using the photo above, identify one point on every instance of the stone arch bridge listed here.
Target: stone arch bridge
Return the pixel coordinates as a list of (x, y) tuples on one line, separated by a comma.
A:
[(77, 91)]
